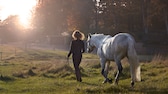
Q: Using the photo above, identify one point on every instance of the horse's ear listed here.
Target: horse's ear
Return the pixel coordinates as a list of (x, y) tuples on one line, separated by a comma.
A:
[(89, 35)]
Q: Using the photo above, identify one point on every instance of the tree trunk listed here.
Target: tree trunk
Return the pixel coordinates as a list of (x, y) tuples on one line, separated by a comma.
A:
[(130, 23), (166, 19), (144, 16)]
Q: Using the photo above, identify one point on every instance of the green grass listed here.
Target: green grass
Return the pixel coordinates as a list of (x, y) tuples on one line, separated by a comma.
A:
[(47, 72)]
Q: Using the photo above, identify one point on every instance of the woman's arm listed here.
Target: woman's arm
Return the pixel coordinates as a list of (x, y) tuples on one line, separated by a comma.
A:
[(70, 51), (83, 47)]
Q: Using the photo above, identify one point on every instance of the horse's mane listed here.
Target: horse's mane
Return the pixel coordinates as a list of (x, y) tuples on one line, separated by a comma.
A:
[(101, 36)]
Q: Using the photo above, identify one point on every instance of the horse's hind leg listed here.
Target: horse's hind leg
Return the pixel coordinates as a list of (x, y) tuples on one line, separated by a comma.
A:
[(120, 68), (104, 71)]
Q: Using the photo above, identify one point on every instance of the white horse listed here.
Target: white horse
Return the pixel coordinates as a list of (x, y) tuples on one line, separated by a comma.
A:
[(115, 49)]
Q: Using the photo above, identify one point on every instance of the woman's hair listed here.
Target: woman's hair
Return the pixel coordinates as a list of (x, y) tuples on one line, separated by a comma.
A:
[(78, 35)]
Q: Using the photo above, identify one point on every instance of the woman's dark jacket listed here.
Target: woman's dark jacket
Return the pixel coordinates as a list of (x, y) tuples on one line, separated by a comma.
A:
[(77, 48)]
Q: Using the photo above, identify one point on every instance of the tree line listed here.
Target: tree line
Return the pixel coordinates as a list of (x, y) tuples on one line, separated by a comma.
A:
[(102, 16), (139, 17)]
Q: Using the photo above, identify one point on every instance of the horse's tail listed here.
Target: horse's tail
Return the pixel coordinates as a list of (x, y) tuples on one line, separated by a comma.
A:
[(134, 62)]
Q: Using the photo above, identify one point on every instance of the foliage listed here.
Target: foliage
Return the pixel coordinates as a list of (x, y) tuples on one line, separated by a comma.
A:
[(10, 29), (51, 18), (55, 17)]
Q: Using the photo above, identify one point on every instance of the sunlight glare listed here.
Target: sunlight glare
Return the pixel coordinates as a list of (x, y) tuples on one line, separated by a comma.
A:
[(22, 8)]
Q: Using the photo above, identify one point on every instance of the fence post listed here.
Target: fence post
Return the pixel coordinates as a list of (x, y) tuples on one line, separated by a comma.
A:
[(1, 55)]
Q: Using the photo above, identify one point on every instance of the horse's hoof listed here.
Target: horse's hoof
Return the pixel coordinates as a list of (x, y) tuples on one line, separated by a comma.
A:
[(105, 81), (110, 81), (116, 82), (132, 84)]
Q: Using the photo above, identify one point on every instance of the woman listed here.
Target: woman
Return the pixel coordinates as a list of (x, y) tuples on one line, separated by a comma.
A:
[(77, 48)]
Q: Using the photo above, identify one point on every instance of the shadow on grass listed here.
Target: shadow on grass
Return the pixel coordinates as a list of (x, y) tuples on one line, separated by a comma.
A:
[(26, 74), (6, 78), (61, 69)]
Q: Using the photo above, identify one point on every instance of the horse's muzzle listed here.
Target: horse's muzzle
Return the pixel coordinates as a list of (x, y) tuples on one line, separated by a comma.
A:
[(89, 50)]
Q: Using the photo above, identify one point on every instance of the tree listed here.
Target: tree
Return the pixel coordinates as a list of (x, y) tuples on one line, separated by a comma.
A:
[(11, 29), (145, 15), (120, 15), (80, 15), (160, 12), (56, 16)]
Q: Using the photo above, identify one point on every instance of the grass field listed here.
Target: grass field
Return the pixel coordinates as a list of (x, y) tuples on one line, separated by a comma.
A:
[(47, 72)]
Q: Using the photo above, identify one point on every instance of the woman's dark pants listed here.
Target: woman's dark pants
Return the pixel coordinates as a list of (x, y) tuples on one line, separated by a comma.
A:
[(76, 62)]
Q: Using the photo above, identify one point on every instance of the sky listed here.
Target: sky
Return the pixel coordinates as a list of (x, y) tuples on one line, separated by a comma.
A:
[(22, 8)]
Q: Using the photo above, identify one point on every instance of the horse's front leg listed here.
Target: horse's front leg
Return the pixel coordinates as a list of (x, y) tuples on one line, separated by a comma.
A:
[(104, 71), (120, 68)]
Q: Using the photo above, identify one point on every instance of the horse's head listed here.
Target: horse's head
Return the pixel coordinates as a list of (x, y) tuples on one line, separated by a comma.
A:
[(90, 43)]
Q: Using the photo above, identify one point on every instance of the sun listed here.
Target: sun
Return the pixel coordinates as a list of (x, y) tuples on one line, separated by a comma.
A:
[(22, 8)]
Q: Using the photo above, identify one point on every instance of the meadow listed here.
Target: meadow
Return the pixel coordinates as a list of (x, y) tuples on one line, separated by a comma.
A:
[(39, 71)]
